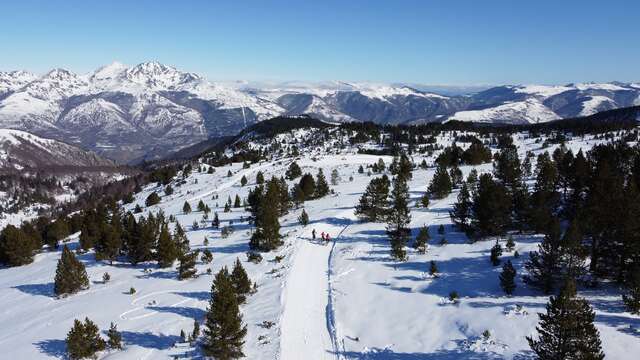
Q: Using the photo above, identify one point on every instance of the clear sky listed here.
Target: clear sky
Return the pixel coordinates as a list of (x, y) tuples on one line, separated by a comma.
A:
[(419, 41)]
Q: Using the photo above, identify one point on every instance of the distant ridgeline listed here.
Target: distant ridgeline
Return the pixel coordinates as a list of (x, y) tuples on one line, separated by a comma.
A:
[(611, 120)]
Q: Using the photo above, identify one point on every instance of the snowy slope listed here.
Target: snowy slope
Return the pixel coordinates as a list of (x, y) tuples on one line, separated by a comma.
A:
[(20, 149), (528, 111), (342, 300)]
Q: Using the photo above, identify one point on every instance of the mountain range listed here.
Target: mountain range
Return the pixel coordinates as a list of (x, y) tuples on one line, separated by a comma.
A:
[(147, 111)]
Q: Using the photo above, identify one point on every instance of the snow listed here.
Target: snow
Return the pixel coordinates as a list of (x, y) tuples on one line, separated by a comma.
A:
[(602, 86), (530, 110), (339, 300), (596, 104), (544, 91)]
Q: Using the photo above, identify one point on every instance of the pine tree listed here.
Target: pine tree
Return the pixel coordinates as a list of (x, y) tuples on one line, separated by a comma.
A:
[(399, 217), (422, 239), (83, 340), (109, 241), (293, 171), (114, 338), (181, 240), (631, 298), (433, 268), (506, 167), (259, 178), (303, 218), (440, 185), (543, 266), (335, 177), (461, 212), (196, 330), (322, 188), (243, 181), (267, 234), (308, 186), (152, 199), (373, 202), (207, 256), (167, 251), (71, 275), (496, 252), (187, 267), (215, 223), (567, 331), (360, 170), (491, 210), (57, 231), (455, 174), (401, 166), (16, 246), (572, 254), (507, 278), (237, 202), (186, 208), (241, 282), (224, 332), (510, 244)]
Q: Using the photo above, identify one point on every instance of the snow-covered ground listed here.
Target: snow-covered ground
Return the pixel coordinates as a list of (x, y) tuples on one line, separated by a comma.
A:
[(339, 300)]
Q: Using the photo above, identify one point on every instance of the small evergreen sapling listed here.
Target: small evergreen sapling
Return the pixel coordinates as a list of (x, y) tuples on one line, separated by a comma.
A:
[(433, 268), (187, 267), (114, 338), (303, 218), (207, 256), (507, 278), (496, 252), (186, 208), (241, 282), (422, 239)]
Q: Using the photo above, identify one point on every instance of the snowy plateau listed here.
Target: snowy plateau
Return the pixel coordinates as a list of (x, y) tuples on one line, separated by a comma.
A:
[(343, 299)]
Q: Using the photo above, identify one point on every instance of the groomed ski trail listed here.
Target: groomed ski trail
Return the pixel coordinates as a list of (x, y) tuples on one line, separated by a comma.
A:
[(308, 327)]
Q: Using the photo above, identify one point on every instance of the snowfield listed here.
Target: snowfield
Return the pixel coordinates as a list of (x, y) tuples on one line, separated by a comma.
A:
[(343, 299)]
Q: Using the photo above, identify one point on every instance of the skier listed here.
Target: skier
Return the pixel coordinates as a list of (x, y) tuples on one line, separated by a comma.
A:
[(322, 234), (327, 237), (313, 234)]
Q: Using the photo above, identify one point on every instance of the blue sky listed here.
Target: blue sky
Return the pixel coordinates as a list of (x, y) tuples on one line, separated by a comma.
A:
[(430, 42)]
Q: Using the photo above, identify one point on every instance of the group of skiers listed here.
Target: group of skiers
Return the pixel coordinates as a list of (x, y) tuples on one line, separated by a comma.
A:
[(325, 236)]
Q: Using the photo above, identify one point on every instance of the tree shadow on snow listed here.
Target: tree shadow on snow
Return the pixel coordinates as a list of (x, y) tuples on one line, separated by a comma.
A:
[(55, 348), (332, 221), (624, 324), (239, 247), (159, 275), (37, 289), (197, 295), (470, 277), (387, 354), (188, 312), (149, 340)]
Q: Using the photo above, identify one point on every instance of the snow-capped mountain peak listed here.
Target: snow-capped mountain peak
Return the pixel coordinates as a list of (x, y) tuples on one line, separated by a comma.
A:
[(111, 71), (13, 80), (157, 75)]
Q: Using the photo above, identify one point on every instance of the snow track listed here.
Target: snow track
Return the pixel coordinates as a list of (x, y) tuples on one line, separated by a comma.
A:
[(308, 325), (330, 311)]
